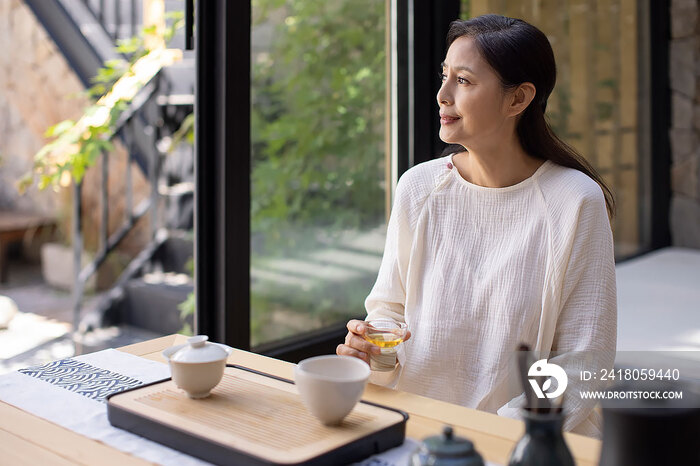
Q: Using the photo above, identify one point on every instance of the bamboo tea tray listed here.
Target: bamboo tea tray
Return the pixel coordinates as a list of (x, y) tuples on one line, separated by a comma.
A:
[(252, 418)]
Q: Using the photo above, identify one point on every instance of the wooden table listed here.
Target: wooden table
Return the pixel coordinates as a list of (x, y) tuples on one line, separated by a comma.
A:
[(27, 439)]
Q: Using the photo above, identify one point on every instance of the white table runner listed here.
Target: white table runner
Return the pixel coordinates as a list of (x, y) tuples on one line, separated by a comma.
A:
[(71, 393)]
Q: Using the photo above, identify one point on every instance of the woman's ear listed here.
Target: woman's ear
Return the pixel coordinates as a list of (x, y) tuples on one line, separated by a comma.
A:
[(521, 98)]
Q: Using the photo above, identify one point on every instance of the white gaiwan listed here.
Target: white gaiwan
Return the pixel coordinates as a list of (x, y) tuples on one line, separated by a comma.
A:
[(198, 365)]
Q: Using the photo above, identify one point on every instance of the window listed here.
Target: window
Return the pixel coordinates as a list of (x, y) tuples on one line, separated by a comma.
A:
[(319, 162)]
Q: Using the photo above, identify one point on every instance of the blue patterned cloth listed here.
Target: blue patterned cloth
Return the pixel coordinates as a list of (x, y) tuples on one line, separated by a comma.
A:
[(81, 378)]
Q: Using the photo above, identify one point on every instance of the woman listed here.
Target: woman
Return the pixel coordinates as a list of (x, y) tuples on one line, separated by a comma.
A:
[(506, 240)]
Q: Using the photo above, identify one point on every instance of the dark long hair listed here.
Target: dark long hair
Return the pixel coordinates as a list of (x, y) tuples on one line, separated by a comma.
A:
[(519, 52)]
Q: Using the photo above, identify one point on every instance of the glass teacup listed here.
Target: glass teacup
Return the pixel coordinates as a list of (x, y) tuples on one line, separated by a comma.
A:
[(387, 334)]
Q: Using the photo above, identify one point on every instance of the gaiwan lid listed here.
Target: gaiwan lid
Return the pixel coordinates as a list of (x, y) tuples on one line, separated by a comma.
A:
[(198, 349), (448, 449)]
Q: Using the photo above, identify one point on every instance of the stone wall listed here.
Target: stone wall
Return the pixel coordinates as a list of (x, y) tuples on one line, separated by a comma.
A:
[(685, 123), (38, 89), (34, 83)]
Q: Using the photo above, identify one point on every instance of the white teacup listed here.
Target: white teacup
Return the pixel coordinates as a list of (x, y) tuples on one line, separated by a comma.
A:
[(330, 386)]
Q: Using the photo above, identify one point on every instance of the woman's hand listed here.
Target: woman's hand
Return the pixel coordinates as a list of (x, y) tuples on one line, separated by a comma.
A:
[(355, 345)]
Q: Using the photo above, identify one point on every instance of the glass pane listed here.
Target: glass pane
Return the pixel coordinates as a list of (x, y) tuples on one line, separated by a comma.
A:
[(594, 106), (319, 153)]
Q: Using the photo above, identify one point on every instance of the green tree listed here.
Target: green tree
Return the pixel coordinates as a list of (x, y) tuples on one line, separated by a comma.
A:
[(318, 117)]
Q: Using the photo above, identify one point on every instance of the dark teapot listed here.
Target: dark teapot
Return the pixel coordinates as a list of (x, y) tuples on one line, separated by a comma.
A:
[(446, 450)]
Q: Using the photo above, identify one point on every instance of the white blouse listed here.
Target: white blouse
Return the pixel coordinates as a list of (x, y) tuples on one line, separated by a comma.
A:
[(474, 271)]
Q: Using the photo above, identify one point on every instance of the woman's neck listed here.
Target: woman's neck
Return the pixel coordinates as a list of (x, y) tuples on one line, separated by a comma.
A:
[(497, 167)]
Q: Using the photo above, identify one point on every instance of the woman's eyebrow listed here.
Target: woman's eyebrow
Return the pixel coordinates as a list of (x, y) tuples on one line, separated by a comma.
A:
[(458, 67)]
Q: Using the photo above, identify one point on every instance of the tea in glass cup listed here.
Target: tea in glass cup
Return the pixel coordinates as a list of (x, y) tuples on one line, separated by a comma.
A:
[(387, 334)]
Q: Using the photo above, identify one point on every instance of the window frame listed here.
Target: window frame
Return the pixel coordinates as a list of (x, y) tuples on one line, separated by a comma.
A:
[(222, 154), (656, 227)]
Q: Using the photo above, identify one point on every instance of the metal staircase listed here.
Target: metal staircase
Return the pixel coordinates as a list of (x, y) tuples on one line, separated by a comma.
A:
[(86, 32)]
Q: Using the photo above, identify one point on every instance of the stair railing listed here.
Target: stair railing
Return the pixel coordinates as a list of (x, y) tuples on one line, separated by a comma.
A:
[(141, 107), (119, 18)]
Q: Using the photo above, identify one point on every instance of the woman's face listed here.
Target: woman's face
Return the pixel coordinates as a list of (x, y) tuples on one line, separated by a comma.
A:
[(473, 107)]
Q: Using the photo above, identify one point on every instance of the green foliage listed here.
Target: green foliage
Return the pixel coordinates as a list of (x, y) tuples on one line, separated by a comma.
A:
[(559, 119), (106, 76), (185, 133), (604, 110), (318, 118), (186, 309), (76, 148), (188, 306), (465, 9), (323, 304)]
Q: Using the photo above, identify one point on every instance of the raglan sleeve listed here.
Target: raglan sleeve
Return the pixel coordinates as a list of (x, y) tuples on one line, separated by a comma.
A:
[(585, 334), (388, 295)]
